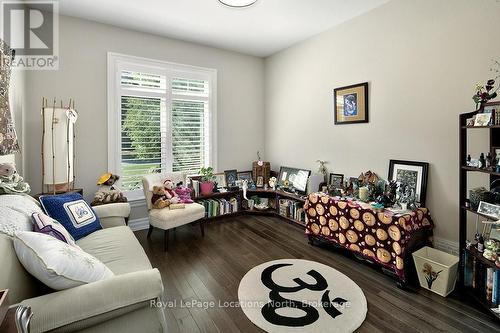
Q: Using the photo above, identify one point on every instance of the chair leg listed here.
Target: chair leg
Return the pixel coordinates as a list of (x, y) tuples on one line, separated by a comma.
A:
[(150, 231), (202, 229), (165, 241)]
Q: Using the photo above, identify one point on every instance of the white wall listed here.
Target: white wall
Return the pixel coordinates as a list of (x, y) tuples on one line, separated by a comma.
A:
[(17, 100), (82, 76), (422, 60)]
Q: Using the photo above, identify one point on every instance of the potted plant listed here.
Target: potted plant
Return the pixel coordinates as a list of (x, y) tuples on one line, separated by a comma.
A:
[(207, 180)]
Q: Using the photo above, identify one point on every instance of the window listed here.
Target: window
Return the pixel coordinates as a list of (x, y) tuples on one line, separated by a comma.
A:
[(161, 118)]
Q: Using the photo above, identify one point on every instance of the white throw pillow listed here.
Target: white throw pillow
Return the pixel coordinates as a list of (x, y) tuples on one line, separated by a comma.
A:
[(15, 213), (12, 220), (55, 263)]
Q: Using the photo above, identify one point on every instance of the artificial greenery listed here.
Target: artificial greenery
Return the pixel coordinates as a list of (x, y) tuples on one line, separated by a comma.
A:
[(207, 174)]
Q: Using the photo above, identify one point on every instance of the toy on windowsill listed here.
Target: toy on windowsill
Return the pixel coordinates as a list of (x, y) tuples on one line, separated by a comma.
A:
[(10, 181), (108, 192)]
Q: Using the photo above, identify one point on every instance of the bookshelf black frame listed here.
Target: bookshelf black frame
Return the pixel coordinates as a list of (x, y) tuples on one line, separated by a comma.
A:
[(464, 170)]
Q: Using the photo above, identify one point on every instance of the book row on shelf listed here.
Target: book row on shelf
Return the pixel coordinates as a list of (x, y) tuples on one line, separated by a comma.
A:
[(483, 279), (218, 207), (292, 209)]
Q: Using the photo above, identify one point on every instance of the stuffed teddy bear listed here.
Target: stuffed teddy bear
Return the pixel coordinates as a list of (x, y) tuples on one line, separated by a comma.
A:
[(108, 192), (184, 193), (11, 181), (170, 192), (159, 199)]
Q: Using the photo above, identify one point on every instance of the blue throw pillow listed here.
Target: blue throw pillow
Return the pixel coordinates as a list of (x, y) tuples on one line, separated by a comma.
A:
[(70, 210)]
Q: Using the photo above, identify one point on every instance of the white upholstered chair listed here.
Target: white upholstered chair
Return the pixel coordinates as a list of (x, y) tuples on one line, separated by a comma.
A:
[(166, 218)]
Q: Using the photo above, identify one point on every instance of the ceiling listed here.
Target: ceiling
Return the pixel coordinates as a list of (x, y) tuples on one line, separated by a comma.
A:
[(261, 30)]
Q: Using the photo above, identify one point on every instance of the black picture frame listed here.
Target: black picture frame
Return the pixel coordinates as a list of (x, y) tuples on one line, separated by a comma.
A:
[(231, 177), (424, 166), (339, 180), (361, 105)]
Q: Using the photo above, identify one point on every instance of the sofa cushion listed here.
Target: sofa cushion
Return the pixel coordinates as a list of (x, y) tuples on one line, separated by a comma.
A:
[(117, 248), (170, 218), (72, 212), (15, 213), (55, 263)]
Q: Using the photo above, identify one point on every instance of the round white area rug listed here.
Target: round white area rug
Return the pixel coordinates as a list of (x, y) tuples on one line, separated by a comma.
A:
[(293, 295)]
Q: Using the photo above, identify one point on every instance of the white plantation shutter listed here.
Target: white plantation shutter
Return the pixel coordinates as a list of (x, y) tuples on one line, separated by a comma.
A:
[(190, 103), (164, 119)]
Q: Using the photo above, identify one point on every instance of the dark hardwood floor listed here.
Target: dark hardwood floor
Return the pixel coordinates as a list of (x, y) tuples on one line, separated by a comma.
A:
[(209, 269)]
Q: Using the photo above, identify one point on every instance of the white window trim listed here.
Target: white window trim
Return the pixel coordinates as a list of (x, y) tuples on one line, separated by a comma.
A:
[(113, 95)]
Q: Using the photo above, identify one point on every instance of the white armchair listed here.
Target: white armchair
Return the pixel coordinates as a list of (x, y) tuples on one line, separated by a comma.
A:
[(166, 218)]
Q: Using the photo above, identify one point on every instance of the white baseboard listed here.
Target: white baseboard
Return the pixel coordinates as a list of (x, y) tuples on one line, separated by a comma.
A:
[(446, 246), (139, 224)]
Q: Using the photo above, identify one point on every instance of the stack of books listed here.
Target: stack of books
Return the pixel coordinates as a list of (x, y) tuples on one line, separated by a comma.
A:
[(292, 209), (217, 207), (483, 279)]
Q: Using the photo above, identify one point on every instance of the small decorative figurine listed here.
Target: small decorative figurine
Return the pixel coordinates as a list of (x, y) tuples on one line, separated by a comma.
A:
[(482, 161), (272, 182)]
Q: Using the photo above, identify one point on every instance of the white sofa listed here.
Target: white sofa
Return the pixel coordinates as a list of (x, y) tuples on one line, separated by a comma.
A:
[(119, 304)]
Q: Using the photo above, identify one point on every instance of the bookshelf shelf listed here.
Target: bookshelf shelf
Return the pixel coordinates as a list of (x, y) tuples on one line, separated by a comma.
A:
[(472, 294), (272, 195), (470, 210), (490, 172), (479, 256), (470, 127)]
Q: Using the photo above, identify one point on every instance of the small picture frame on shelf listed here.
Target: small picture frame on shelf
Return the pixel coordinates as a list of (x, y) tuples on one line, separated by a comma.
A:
[(336, 180), (470, 122), (482, 119), (489, 210), (246, 175), (494, 109), (231, 177), (220, 179), (260, 181)]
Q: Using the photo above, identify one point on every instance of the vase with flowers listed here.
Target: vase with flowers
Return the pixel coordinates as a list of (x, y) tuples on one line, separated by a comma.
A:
[(485, 93)]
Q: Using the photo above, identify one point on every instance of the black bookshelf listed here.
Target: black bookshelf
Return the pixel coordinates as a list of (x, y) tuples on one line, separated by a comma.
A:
[(477, 293)]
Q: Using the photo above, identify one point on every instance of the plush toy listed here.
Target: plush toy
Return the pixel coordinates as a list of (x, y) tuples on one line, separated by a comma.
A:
[(10, 181), (184, 193), (159, 200), (108, 192), (170, 192)]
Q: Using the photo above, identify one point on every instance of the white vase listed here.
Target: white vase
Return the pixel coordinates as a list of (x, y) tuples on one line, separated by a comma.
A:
[(404, 206)]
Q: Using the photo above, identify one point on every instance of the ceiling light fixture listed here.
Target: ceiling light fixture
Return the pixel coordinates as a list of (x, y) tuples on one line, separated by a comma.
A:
[(238, 3)]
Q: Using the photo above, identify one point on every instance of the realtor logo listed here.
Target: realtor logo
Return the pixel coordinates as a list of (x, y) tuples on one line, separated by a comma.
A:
[(31, 29)]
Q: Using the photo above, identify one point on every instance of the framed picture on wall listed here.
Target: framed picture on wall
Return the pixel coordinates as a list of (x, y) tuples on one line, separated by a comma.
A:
[(413, 174), (351, 104)]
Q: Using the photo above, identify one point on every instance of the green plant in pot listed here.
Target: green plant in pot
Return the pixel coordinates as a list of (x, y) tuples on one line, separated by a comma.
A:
[(207, 180)]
